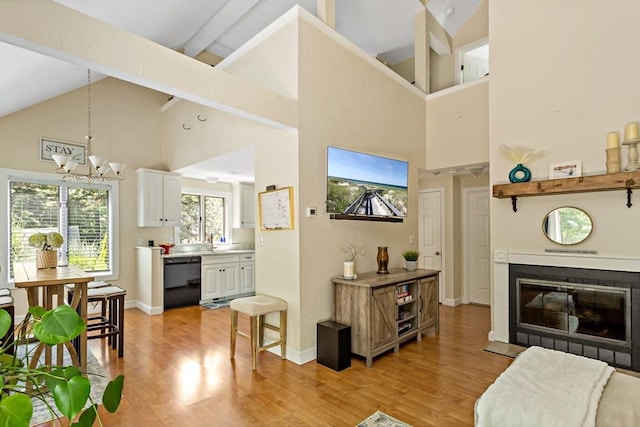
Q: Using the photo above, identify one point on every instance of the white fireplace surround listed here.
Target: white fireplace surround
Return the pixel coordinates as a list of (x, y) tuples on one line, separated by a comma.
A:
[(503, 257)]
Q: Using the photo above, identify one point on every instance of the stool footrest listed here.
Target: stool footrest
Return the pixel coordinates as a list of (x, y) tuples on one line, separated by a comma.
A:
[(265, 347)]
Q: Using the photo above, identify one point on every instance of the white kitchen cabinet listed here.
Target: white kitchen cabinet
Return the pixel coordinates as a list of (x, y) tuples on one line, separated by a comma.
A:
[(159, 198), (247, 206), (220, 276), (247, 274)]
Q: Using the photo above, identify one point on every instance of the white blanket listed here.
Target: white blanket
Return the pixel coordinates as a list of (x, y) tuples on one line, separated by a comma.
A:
[(545, 388)]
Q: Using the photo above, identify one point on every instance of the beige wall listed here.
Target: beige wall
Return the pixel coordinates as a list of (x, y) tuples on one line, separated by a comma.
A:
[(458, 126), (406, 69), (349, 100), (125, 127), (271, 61), (580, 83), (221, 133)]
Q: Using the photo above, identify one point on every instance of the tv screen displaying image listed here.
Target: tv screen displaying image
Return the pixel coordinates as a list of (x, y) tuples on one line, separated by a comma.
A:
[(364, 184)]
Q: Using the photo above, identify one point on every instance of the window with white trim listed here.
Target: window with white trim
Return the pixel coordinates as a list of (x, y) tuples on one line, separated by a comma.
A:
[(204, 217), (83, 213)]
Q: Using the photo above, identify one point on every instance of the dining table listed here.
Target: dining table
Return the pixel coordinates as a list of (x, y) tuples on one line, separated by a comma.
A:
[(45, 287)]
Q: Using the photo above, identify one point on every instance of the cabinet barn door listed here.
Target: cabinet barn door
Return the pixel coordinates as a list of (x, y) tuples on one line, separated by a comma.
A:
[(384, 327), (429, 301)]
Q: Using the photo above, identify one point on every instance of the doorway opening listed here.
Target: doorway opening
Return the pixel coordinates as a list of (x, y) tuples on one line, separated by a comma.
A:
[(472, 61)]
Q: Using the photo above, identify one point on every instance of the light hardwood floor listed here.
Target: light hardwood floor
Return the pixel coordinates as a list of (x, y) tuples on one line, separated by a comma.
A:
[(178, 373)]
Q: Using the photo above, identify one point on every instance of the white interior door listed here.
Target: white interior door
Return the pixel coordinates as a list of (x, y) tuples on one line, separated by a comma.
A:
[(476, 246), (472, 61), (430, 228)]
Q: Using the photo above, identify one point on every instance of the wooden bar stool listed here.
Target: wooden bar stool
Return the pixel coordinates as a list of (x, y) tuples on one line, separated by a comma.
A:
[(110, 322), (256, 308)]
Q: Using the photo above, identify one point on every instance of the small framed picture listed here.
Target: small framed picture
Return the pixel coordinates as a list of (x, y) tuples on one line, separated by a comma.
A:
[(570, 169), (49, 146)]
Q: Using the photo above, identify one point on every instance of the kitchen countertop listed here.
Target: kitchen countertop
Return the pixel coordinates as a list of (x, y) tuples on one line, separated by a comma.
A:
[(210, 253)]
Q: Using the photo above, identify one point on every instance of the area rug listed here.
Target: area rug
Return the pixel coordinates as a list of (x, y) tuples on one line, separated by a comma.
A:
[(97, 375), (380, 419), (504, 349), (217, 304)]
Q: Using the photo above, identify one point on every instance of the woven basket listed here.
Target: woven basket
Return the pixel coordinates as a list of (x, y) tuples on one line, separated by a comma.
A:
[(46, 259)]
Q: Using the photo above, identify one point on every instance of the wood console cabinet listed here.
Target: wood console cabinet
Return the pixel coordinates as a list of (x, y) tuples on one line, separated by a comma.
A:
[(384, 310)]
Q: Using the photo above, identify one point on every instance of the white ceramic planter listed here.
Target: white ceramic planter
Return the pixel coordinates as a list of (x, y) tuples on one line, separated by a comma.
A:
[(411, 265)]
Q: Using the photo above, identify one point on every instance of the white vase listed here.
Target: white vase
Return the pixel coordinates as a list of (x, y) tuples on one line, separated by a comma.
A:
[(348, 269), (411, 265)]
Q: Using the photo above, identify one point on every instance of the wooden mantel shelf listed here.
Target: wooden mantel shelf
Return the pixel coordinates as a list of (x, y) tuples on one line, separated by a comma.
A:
[(582, 184)]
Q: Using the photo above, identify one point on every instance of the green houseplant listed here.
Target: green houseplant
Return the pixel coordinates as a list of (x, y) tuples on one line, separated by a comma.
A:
[(410, 255), (411, 259), (66, 385), (47, 245)]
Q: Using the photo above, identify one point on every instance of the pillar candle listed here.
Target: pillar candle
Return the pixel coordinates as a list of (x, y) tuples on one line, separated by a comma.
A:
[(631, 131), (348, 269), (612, 140)]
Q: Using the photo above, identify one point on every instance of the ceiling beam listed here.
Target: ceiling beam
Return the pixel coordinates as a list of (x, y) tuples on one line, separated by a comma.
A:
[(51, 29), (217, 25), (326, 11), (439, 40)]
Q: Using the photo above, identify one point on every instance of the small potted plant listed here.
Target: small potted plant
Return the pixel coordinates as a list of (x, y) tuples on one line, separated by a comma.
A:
[(410, 260), (47, 245)]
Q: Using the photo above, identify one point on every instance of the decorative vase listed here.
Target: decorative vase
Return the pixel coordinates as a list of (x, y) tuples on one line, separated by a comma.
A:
[(411, 265), (383, 260), (46, 258), (348, 269), (520, 174)]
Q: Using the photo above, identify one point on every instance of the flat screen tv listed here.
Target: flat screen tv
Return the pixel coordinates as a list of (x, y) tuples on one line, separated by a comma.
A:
[(364, 186)]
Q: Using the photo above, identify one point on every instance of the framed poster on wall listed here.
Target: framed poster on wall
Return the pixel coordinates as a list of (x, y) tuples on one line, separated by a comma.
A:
[(275, 209), (49, 146)]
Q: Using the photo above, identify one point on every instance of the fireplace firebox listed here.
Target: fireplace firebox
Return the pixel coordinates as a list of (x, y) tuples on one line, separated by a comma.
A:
[(581, 311)]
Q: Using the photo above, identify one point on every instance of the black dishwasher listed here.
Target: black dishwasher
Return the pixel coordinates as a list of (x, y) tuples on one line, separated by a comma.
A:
[(181, 281)]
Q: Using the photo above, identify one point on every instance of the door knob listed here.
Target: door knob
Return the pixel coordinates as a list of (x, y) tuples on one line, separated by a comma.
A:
[(437, 252)]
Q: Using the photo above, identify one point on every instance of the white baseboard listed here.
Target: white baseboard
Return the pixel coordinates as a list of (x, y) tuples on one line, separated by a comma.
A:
[(452, 302), (491, 336), (297, 357), (152, 311)]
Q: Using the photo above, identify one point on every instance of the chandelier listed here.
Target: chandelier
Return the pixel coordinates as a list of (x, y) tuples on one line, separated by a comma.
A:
[(97, 168)]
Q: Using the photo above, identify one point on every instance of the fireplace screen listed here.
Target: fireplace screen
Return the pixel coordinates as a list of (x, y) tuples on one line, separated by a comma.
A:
[(594, 312)]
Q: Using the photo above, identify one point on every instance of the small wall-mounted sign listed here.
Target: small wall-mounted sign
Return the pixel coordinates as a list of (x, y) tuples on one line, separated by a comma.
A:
[(52, 146)]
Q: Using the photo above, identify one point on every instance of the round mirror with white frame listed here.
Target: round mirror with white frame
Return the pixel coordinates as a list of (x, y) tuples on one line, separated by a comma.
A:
[(567, 225)]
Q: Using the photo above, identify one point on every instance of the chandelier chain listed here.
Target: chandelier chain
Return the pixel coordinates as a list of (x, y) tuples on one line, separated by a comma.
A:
[(97, 168), (89, 105)]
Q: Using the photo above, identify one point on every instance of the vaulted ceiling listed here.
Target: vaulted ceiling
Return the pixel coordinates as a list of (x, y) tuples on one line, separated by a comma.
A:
[(382, 28)]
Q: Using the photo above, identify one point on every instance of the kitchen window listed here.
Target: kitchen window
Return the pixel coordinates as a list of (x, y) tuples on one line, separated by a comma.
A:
[(205, 217), (85, 214)]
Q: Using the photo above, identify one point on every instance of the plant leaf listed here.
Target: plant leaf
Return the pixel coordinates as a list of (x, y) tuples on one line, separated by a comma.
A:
[(59, 325), (87, 418), (37, 311), (15, 411), (5, 322), (70, 396), (61, 375), (113, 394)]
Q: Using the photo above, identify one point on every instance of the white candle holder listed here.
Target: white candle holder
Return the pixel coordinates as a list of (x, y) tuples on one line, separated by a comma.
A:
[(633, 155)]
